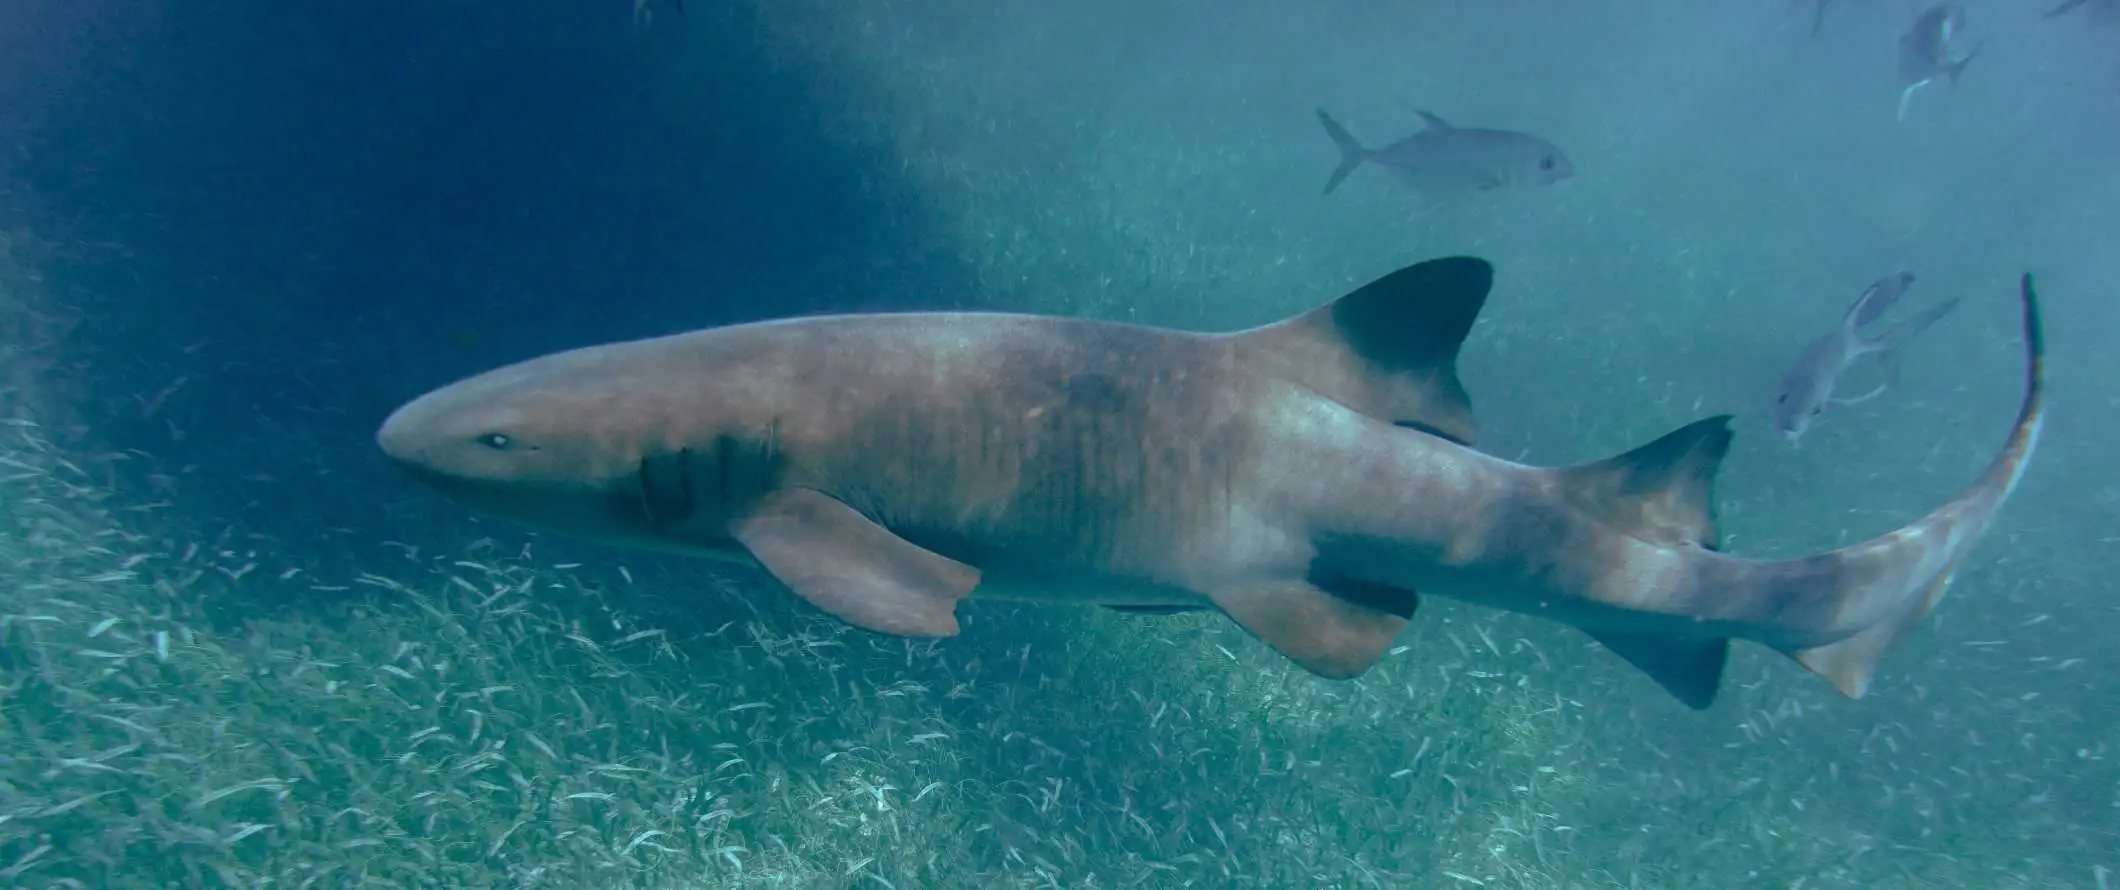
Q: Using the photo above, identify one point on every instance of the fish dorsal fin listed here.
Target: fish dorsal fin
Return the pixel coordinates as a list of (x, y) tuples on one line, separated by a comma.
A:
[(1435, 123), (1662, 492), (1389, 349)]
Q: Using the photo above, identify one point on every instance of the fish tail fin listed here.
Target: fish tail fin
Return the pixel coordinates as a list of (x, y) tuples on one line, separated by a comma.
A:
[(1879, 298), (1954, 69), (1897, 335), (1867, 597), (1352, 154)]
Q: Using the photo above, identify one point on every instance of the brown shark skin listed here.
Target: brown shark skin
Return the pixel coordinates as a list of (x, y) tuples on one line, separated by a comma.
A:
[(1131, 461), (1077, 461)]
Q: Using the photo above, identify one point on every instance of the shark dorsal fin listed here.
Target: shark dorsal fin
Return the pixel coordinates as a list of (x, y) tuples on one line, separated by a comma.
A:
[(1389, 349), (1435, 123), (1662, 492)]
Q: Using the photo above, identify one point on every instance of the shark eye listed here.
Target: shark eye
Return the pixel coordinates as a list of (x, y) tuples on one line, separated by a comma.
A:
[(495, 441)]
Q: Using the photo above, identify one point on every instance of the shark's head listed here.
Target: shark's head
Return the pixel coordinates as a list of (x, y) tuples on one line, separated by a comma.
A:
[(595, 442)]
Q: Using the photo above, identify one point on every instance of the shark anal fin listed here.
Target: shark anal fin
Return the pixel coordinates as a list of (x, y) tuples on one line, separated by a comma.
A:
[(1389, 349), (1690, 669), (1663, 492), (1155, 610), (1337, 637), (847, 565)]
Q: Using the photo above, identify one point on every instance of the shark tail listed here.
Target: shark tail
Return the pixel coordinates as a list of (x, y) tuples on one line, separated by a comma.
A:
[(1873, 593), (1836, 613), (1352, 154)]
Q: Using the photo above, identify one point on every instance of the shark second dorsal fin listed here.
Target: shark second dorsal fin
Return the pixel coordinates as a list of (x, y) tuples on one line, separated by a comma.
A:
[(1389, 349), (1662, 492)]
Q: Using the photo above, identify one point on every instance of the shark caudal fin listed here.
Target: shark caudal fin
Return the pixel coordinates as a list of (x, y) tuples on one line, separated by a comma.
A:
[(1663, 493), (1389, 349), (1874, 592)]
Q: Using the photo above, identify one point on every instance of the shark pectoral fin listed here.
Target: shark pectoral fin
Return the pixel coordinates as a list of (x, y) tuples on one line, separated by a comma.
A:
[(847, 565), (1663, 492), (1336, 637), (1689, 669), (1389, 349)]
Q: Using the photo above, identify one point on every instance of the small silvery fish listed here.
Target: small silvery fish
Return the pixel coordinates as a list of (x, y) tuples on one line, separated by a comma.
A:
[(1925, 52), (1442, 159), (2102, 10), (1807, 387)]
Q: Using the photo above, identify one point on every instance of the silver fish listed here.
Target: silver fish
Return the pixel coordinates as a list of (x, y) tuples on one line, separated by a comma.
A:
[(2100, 10), (1442, 159), (1925, 52), (1807, 387)]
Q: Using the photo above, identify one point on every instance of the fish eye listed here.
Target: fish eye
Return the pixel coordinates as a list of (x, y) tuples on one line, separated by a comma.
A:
[(495, 441), (1545, 163), (1782, 399)]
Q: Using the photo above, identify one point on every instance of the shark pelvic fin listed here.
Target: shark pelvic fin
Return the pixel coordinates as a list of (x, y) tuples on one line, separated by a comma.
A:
[(1663, 492), (843, 563), (1389, 349), (1333, 636), (1690, 669)]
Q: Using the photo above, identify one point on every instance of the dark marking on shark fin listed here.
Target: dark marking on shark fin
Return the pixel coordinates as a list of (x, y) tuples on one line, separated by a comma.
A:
[(1434, 122), (1663, 492), (1156, 610), (847, 565), (1389, 349), (1333, 636), (1847, 664), (1690, 669)]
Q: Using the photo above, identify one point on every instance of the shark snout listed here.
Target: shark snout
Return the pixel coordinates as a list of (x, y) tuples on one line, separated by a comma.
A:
[(395, 437)]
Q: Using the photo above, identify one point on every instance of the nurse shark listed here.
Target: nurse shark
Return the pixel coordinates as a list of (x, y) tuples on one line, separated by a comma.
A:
[(1312, 479)]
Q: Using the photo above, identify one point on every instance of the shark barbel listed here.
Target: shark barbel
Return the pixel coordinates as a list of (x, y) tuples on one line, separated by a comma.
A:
[(1310, 478)]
